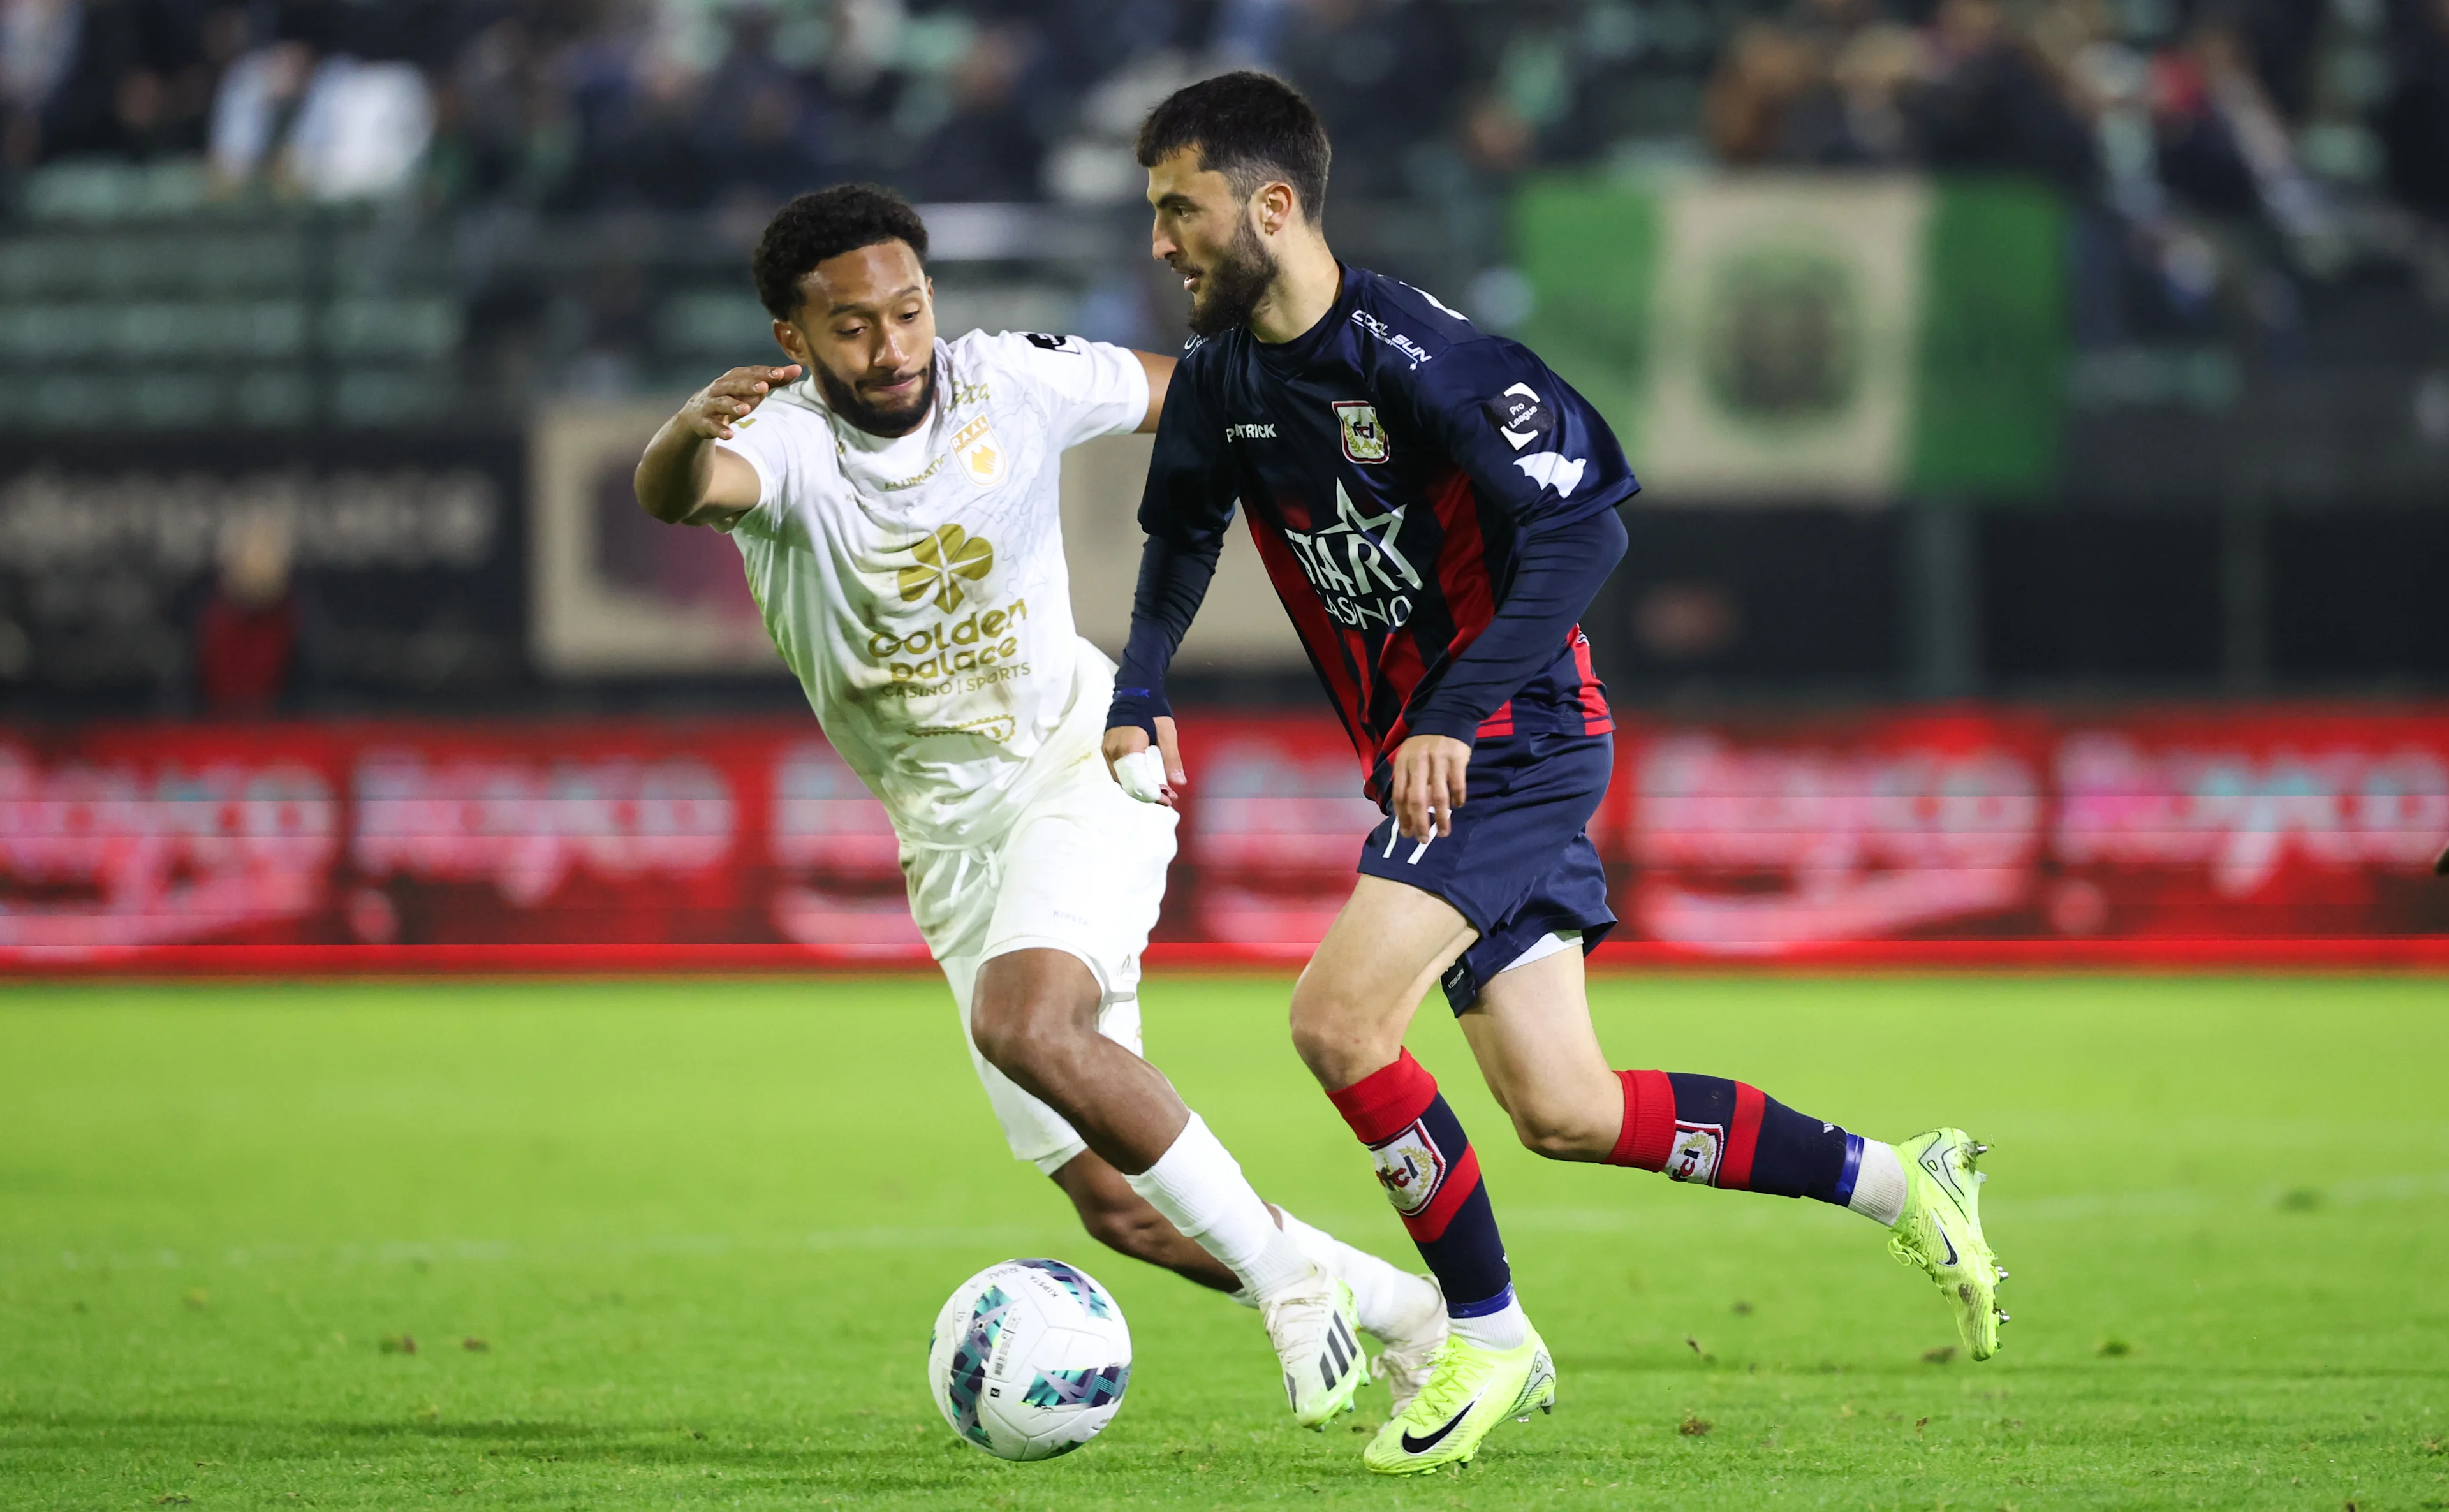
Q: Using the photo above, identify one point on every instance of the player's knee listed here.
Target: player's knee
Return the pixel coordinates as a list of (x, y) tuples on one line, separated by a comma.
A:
[(1311, 1041), (1019, 1034), (1335, 1037), (1330, 1050), (1559, 1130), (1540, 1133)]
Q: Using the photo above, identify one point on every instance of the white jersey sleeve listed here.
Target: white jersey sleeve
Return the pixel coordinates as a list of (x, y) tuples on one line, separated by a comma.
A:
[(1090, 389), (772, 441)]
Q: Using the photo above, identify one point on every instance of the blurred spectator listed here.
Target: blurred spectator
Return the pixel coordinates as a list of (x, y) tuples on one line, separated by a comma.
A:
[(332, 127), (247, 636), (1382, 74), (258, 102), (505, 127), (653, 159), (140, 83), (38, 44), (1766, 74), (2198, 151), (2257, 135), (2415, 122), (361, 131), (1495, 139), (751, 114), (987, 147), (1987, 103), (1872, 69)]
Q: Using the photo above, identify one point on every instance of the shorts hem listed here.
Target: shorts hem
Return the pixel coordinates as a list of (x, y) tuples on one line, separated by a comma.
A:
[(1049, 1164), (1462, 994), (1471, 914), (1047, 942)]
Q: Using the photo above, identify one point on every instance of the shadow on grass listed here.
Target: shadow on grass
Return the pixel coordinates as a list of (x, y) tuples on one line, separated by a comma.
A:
[(502, 1429), (885, 1456)]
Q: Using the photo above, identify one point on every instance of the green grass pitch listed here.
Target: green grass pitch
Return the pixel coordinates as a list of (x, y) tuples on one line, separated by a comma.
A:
[(680, 1242)]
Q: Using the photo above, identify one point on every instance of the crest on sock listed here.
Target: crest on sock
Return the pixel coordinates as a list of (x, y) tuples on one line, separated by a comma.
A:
[(1695, 1155), (1410, 1167)]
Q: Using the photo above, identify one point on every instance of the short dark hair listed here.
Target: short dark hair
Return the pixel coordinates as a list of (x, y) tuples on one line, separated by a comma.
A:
[(826, 223), (1251, 127)]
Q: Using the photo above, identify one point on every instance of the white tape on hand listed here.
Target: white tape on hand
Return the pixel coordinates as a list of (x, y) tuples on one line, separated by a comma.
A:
[(1142, 774)]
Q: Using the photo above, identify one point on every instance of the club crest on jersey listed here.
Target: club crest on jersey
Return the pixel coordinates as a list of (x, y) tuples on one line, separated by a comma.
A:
[(1695, 1155), (981, 456), (1411, 1168), (1364, 439), (945, 559)]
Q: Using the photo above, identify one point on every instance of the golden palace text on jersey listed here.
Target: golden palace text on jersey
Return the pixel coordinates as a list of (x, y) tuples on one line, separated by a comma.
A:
[(1391, 462)]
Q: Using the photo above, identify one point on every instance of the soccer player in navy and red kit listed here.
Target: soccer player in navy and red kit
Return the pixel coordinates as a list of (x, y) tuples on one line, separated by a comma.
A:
[(1436, 510)]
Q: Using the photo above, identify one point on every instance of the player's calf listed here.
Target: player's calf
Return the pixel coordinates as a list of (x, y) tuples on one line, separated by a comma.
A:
[(1382, 954), (1122, 1222), (1033, 1016)]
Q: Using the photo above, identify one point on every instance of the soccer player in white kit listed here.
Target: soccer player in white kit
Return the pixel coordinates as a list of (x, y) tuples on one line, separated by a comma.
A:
[(897, 509)]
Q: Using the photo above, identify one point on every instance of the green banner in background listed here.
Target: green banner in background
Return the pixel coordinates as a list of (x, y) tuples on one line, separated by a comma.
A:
[(1789, 335)]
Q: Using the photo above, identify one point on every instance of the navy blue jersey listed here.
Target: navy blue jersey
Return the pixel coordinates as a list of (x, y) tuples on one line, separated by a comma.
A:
[(1394, 464)]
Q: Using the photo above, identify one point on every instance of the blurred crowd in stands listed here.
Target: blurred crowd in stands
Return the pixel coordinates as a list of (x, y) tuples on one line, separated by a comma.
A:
[(2217, 152), (2227, 104), (2239, 172)]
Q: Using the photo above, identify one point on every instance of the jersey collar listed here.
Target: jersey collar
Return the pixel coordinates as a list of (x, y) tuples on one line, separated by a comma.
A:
[(1296, 353)]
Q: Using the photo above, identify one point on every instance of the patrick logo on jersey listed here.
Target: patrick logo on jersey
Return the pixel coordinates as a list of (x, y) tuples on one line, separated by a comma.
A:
[(1359, 574)]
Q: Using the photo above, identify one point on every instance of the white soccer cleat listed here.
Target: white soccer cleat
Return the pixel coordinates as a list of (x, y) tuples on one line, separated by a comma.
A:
[(1410, 1351), (1315, 1332)]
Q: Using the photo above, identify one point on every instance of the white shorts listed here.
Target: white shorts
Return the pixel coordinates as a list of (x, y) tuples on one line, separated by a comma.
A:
[(1080, 869)]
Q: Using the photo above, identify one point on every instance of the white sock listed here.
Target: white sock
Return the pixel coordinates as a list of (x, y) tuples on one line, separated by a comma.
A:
[(1879, 1184), (1199, 1187), (1504, 1329), (1392, 1304)]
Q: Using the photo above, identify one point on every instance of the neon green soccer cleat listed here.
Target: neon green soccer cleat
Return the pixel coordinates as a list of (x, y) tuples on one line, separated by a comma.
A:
[(1941, 1232), (1470, 1392)]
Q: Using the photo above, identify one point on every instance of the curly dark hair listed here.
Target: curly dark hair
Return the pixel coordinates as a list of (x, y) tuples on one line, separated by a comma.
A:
[(1251, 127), (826, 223)]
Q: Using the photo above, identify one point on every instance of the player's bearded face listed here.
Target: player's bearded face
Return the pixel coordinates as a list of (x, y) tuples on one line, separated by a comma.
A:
[(1232, 279), (896, 413), (868, 335)]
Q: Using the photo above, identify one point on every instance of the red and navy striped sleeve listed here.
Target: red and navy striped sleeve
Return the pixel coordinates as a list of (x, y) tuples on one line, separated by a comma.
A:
[(1537, 451), (1528, 442)]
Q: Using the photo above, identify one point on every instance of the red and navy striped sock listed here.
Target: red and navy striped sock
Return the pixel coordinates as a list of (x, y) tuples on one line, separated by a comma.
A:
[(1426, 1164), (1731, 1133)]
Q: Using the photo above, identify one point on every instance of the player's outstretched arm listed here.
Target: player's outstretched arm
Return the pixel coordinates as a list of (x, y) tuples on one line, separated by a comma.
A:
[(685, 478), (1160, 377)]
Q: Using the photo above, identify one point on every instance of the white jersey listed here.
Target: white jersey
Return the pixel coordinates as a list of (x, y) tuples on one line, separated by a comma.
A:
[(916, 583)]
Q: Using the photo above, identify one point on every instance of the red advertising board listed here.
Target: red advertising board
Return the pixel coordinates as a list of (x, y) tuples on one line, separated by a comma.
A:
[(1981, 833)]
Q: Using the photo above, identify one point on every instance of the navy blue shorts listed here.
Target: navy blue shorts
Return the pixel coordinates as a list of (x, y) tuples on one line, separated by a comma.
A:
[(1519, 864)]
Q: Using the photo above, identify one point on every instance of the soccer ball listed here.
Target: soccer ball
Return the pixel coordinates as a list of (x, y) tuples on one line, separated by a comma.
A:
[(1029, 1359)]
